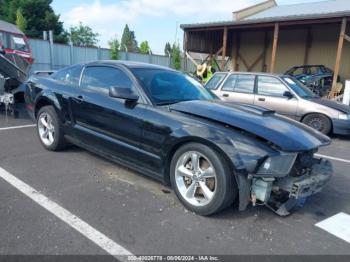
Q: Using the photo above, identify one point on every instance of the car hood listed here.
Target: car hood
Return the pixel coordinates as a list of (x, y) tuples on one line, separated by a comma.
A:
[(333, 104), (287, 134)]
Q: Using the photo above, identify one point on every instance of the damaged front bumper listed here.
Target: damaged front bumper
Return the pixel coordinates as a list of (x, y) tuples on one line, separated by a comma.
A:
[(282, 195)]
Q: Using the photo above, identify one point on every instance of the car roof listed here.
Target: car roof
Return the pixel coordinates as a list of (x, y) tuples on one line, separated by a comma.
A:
[(252, 73), (128, 64), (303, 66)]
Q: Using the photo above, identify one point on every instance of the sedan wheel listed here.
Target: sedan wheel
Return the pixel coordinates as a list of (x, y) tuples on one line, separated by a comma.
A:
[(195, 178), (319, 122), (202, 179)]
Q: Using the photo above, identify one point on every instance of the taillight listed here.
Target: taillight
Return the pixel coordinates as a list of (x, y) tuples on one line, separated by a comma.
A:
[(30, 60)]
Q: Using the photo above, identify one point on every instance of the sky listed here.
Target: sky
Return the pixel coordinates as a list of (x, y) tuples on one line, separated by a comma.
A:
[(157, 21)]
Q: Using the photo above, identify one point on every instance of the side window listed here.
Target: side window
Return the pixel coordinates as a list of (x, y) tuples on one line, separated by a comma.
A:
[(240, 84), (215, 81), (101, 78), (270, 86), (230, 83), (245, 84), (5, 40), (298, 71), (69, 76)]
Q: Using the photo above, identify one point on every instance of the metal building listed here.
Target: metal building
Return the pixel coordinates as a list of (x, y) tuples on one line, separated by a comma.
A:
[(271, 38)]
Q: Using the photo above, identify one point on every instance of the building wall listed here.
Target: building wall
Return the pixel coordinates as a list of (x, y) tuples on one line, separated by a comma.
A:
[(291, 49)]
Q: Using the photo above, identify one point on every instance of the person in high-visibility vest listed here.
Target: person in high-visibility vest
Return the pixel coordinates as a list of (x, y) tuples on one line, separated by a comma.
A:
[(204, 72)]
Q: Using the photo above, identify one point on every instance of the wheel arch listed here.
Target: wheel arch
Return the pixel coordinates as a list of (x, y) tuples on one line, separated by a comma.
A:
[(40, 104), (46, 100), (233, 163), (228, 152)]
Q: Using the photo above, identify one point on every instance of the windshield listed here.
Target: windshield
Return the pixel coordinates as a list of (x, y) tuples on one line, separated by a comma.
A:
[(299, 88), (166, 87)]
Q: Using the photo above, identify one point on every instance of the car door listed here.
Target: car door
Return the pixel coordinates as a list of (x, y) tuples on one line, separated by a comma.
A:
[(238, 88), (105, 124), (271, 93)]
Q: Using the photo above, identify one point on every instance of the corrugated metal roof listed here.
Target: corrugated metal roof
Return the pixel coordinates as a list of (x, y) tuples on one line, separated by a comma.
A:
[(4, 26), (315, 10), (304, 9)]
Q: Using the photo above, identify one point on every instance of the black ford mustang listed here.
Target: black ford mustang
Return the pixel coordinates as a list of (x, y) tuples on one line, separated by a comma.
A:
[(164, 124)]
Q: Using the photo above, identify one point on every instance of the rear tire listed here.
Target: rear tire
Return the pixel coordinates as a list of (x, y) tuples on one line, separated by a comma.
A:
[(50, 129), (319, 122), (206, 187)]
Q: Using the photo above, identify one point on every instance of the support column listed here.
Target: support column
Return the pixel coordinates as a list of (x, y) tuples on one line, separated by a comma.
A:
[(52, 58), (185, 47), (238, 47), (338, 58), (274, 48), (224, 48), (266, 46), (307, 45)]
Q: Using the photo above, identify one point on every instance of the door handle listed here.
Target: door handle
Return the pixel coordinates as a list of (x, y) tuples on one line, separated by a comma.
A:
[(261, 99), (225, 95), (79, 99)]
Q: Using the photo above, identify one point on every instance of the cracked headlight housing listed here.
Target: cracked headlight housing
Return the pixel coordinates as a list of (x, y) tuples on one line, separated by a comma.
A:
[(277, 166)]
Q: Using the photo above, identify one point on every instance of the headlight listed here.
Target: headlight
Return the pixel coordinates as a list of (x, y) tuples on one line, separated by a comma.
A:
[(279, 166), (344, 117)]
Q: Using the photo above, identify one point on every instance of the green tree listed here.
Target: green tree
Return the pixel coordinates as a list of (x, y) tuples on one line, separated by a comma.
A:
[(129, 40), (39, 17), (114, 46), (20, 20), (167, 48), (144, 48), (176, 57), (83, 35)]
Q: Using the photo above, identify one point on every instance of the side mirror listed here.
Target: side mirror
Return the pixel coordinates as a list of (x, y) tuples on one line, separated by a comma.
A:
[(2, 51), (288, 94), (123, 93)]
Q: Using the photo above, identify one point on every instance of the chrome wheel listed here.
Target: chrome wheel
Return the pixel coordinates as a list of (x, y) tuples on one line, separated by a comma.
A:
[(46, 129), (195, 178)]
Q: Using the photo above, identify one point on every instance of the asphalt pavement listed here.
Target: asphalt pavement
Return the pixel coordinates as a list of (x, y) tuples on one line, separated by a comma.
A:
[(143, 216)]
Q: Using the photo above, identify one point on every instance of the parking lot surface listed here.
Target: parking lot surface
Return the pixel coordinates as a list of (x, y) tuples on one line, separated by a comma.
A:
[(143, 216)]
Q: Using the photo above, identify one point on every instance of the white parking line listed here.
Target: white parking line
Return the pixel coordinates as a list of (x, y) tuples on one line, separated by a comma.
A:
[(334, 158), (337, 225), (15, 127), (72, 220)]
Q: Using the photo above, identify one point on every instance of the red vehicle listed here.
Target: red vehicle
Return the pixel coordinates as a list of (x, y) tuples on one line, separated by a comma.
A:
[(15, 62), (13, 41)]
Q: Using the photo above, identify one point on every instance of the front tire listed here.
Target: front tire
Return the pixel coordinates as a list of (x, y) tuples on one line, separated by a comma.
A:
[(50, 130), (202, 179), (319, 122)]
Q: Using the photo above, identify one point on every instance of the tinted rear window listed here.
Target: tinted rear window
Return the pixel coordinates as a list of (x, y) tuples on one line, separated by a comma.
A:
[(69, 76)]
